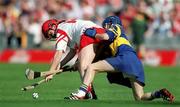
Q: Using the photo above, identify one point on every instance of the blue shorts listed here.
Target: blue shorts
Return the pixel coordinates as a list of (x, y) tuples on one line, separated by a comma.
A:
[(128, 63)]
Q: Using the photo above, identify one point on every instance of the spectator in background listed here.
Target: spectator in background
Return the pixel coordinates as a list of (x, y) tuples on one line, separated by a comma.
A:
[(14, 36), (102, 7), (154, 9), (41, 11), (161, 27), (95, 10), (127, 16), (55, 8), (175, 18), (116, 6), (35, 29), (37, 16), (72, 9), (2, 27), (139, 27), (87, 10), (12, 26)]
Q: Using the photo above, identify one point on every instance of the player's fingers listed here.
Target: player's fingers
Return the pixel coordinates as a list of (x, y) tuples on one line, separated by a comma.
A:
[(48, 79)]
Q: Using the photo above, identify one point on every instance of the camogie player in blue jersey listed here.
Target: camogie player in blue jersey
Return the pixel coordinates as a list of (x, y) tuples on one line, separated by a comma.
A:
[(124, 62)]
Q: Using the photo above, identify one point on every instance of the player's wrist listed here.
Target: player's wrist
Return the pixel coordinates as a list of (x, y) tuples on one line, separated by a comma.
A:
[(37, 74)]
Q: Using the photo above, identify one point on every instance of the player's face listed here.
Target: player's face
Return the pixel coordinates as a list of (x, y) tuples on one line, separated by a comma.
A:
[(107, 25), (52, 33)]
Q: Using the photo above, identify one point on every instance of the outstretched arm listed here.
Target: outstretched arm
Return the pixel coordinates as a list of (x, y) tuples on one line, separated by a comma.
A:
[(55, 64), (109, 35), (56, 60), (91, 32)]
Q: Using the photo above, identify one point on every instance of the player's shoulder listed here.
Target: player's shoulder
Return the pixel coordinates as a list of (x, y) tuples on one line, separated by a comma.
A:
[(63, 27)]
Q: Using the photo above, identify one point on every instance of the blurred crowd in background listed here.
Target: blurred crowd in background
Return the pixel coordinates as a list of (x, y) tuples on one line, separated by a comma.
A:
[(150, 22)]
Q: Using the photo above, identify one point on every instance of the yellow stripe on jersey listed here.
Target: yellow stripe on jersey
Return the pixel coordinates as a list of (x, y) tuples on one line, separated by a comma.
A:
[(118, 42)]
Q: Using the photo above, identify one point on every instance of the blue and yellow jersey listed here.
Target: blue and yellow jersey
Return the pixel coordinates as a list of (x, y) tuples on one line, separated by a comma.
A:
[(119, 41), (125, 60)]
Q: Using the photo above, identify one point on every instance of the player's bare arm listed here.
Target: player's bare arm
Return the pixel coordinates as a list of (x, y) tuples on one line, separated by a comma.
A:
[(55, 64), (110, 34), (103, 36), (56, 60)]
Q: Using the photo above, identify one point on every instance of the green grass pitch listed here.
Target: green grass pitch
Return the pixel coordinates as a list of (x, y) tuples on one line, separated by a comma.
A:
[(12, 79)]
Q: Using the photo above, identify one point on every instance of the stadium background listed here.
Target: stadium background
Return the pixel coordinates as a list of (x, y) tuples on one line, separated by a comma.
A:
[(152, 25)]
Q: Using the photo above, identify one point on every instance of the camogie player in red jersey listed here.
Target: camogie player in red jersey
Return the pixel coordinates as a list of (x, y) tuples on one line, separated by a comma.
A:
[(70, 33)]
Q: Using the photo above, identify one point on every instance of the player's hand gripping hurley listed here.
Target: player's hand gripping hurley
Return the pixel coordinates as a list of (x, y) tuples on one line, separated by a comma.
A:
[(30, 74)]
